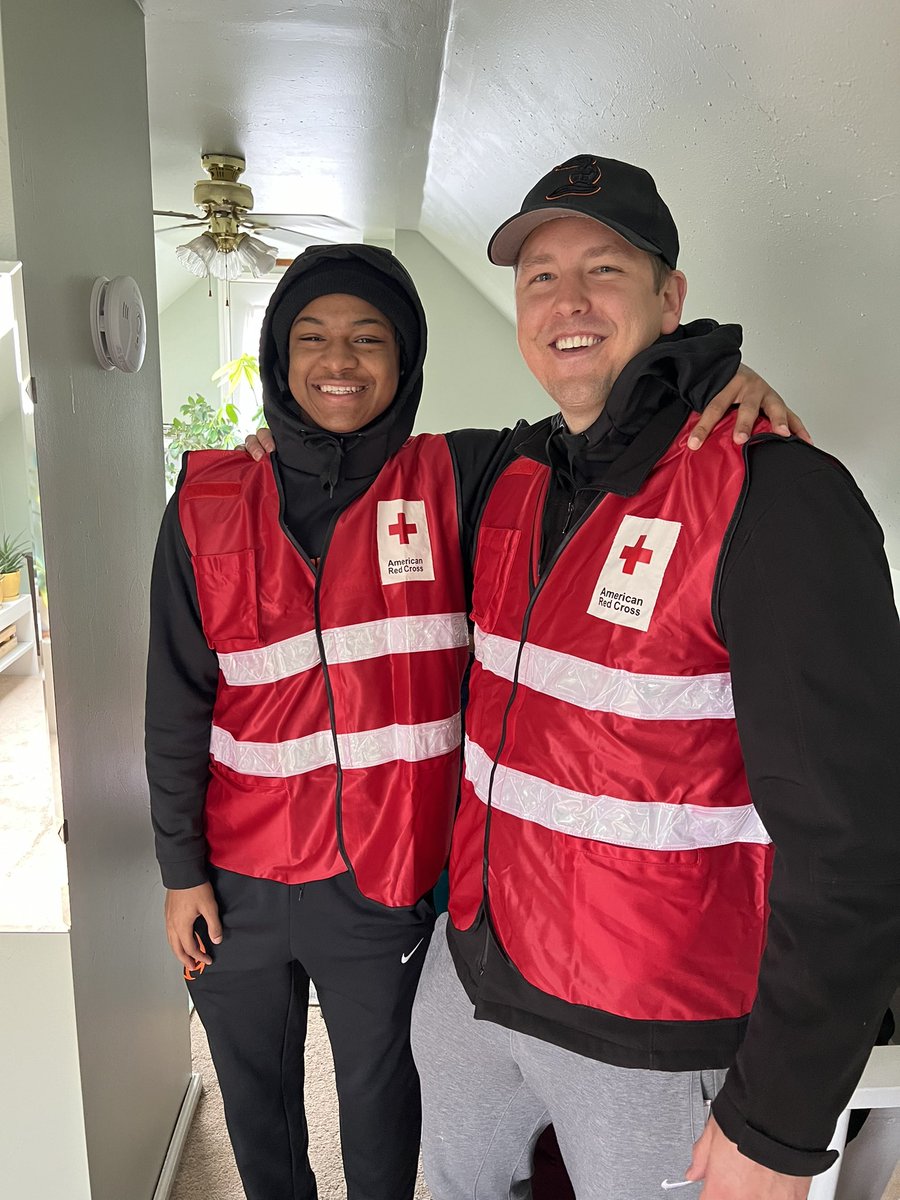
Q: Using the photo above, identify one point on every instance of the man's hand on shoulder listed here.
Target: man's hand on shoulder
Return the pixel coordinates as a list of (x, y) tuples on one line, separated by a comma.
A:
[(259, 444), (183, 907), (729, 1175), (752, 395)]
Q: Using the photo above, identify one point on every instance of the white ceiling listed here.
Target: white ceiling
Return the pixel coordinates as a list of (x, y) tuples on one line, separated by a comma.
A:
[(771, 129), (330, 103)]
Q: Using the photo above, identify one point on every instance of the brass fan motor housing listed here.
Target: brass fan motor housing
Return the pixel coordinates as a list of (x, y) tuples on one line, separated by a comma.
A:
[(221, 193)]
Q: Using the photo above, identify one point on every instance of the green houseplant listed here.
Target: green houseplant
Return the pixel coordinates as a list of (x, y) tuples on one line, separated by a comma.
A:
[(12, 555), (200, 426)]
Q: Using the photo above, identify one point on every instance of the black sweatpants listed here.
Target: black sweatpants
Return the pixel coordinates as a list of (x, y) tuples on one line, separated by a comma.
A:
[(365, 961)]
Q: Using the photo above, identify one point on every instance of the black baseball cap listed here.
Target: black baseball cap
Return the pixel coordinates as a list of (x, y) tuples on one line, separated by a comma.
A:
[(616, 194)]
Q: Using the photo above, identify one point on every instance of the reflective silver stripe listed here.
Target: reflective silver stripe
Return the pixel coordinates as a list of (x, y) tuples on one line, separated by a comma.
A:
[(368, 748), (411, 743), (645, 825), (344, 644), (597, 688), (277, 760)]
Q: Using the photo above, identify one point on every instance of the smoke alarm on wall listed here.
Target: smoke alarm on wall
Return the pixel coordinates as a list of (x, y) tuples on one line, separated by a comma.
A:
[(118, 325)]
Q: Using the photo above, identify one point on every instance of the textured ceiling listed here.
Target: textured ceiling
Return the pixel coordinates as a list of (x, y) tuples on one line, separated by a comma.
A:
[(771, 129), (331, 104)]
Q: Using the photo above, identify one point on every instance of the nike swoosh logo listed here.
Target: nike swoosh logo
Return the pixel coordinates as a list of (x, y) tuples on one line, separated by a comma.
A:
[(404, 958), (684, 1183)]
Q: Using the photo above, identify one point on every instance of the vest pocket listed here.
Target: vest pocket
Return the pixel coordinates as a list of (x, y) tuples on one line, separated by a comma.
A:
[(493, 563), (246, 821), (226, 591), (652, 859)]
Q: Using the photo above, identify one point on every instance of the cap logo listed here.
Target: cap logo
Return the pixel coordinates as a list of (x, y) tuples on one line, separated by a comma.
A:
[(583, 178)]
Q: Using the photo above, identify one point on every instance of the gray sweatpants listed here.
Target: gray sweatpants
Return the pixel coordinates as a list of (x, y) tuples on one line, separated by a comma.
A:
[(487, 1093)]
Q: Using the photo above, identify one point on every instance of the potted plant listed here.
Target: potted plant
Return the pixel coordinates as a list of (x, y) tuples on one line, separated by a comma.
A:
[(12, 555)]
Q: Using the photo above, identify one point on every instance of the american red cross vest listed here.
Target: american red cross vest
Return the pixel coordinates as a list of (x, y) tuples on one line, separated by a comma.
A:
[(336, 728), (604, 796)]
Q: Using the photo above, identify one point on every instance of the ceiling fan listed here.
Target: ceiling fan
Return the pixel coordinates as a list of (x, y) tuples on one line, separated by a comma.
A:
[(227, 248)]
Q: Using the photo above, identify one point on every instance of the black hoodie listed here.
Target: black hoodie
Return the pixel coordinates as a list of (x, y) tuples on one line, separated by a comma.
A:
[(318, 474), (803, 602), (322, 472)]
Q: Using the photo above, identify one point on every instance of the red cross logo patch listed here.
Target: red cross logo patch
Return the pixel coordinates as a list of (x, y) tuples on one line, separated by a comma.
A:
[(404, 545), (401, 529), (632, 555), (628, 586)]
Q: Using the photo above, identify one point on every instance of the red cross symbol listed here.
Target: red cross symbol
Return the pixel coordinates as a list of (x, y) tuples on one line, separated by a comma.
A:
[(633, 555), (401, 529)]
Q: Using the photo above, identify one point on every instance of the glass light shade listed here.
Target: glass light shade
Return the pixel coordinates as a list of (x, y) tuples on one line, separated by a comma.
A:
[(255, 256), (202, 257), (197, 254), (222, 265)]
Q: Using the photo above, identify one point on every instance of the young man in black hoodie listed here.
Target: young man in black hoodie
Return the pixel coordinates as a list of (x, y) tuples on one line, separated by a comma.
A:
[(302, 788), (308, 637), (673, 879)]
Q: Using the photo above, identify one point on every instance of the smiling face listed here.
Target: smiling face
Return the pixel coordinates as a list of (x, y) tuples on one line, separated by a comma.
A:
[(586, 304), (344, 362)]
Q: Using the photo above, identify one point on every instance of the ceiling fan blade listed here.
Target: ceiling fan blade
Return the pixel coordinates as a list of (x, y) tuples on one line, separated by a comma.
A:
[(298, 233), (298, 221), (161, 212), (187, 225)]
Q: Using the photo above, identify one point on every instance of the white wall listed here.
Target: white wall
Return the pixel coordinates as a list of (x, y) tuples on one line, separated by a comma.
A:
[(78, 136), (189, 348), (474, 375), (44, 1155), (771, 129)]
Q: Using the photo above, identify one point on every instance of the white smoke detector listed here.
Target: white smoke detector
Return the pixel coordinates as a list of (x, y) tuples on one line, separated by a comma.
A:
[(118, 323)]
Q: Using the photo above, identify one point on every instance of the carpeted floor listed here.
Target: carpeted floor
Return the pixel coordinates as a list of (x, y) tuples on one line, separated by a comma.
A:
[(207, 1166)]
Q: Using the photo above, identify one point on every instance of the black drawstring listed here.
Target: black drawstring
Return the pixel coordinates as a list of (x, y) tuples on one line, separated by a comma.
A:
[(329, 450)]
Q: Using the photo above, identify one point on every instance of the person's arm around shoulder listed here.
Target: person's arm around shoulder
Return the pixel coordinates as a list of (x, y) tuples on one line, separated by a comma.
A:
[(752, 395), (746, 389)]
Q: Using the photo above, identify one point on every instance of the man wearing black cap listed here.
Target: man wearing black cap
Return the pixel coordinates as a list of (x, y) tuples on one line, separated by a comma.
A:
[(673, 874)]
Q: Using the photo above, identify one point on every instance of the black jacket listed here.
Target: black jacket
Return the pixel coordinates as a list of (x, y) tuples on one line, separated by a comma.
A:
[(803, 602), (318, 474)]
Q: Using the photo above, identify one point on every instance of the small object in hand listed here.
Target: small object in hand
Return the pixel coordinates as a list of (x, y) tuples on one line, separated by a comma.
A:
[(198, 966)]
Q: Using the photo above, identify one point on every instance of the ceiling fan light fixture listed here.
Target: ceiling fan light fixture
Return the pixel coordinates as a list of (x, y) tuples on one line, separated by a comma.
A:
[(226, 256), (255, 255), (223, 265), (198, 254)]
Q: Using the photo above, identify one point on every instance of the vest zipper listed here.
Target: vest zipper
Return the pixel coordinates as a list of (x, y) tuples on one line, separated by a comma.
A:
[(329, 693)]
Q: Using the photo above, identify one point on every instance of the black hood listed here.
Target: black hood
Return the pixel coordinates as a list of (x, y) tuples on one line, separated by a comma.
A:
[(301, 443)]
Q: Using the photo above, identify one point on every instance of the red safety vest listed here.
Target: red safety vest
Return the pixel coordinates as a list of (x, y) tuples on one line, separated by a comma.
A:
[(604, 785), (336, 727)]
